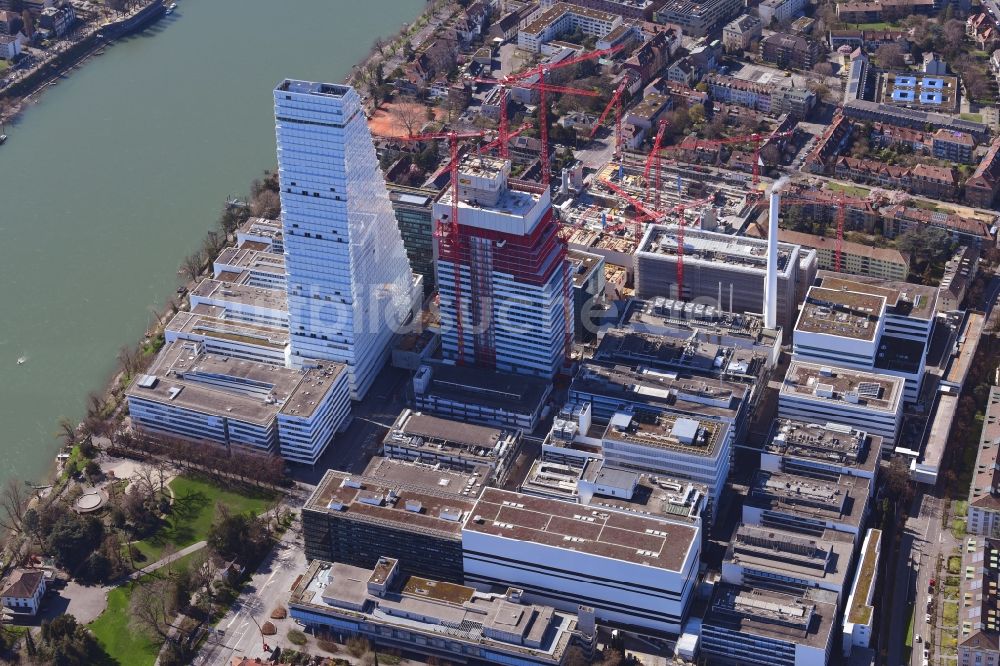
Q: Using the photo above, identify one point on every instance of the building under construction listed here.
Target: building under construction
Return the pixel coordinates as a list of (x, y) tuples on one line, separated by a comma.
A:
[(511, 307), (728, 270)]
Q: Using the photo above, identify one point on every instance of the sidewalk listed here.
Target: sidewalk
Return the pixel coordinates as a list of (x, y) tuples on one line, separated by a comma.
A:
[(159, 564)]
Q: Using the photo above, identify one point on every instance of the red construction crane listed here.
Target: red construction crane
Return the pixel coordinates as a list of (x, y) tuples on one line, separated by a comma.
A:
[(681, 221), (756, 139), (450, 233), (513, 80), (654, 156), (616, 103), (841, 201)]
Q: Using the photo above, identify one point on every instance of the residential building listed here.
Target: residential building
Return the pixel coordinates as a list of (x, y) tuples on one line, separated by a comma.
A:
[(434, 618), (393, 509), (195, 395), (696, 18), (453, 445), (741, 32), (899, 219), (984, 493), (790, 51), (648, 60), (559, 18), (859, 612), (863, 400), (413, 207), (476, 395), (981, 187), (934, 64), (953, 146), (731, 90), (959, 272), (57, 20), (792, 101), (936, 93), (712, 259), (745, 625), (633, 570), (11, 23), (830, 145), (24, 594), (860, 109), (780, 11), (349, 281), (856, 258), (935, 182), (508, 249), (629, 9), (10, 47), (859, 12), (978, 625)]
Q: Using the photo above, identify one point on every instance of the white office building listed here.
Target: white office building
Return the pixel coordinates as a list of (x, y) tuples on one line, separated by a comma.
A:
[(865, 401), (637, 571), (349, 281)]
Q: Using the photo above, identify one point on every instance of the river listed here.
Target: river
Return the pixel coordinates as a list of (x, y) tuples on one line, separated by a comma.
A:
[(116, 174)]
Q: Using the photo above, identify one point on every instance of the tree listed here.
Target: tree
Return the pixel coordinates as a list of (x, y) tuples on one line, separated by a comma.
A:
[(927, 246), (67, 431), (408, 114), (13, 502), (73, 538), (151, 608), (192, 266), (697, 114), (67, 643), (890, 54), (267, 204)]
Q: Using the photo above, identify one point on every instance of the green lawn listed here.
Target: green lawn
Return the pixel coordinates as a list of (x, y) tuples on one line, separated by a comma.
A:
[(954, 564), (193, 512), (4, 65), (849, 190), (949, 613), (958, 528), (881, 25), (123, 644), (974, 117)]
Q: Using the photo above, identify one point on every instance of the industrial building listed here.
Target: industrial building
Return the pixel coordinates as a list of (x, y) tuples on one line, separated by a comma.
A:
[(403, 510), (869, 402), (455, 445), (195, 395), (505, 292), (435, 618), (714, 263), (349, 281), (634, 571), (820, 450), (808, 504)]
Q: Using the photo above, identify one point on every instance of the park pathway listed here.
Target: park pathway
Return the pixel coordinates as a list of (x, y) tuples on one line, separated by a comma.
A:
[(159, 564)]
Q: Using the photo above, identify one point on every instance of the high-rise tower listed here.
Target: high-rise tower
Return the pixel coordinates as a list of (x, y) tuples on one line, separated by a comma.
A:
[(510, 307), (349, 281)]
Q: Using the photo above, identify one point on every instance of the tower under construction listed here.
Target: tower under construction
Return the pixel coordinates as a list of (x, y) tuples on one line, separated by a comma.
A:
[(510, 306)]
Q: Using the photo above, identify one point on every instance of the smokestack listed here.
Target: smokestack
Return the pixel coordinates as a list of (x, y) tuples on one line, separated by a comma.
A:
[(771, 282)]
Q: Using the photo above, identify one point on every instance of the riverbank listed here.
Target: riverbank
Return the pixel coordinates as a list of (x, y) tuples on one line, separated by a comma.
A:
[(96, 37)]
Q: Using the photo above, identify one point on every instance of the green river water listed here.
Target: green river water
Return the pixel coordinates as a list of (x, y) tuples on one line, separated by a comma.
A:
[(119, 170)]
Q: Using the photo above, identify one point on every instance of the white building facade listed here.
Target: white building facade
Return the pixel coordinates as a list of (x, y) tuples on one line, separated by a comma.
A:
[(349, 281)]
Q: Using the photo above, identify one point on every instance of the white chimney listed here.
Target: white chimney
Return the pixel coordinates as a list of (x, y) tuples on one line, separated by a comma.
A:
[(771, 283)]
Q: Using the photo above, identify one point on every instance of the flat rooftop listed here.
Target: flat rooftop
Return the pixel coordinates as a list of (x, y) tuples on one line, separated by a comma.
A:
[(406, 496), (682, 318), (682, 432), (552, 14), (614, 535), (622, 241), (313, 88), (826, 443), (230, 387), (841, 385), (716, 248), (432, 607), (841, 313), (195, 323), (824, 558), (843, 500), (707, 397), (584, 264), (902, 299), (807, 619), (231, 292), (431, 437), (464, 385), (244, 258), (691, 355)]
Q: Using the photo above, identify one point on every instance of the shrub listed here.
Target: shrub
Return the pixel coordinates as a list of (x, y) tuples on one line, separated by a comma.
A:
[(297, 637)]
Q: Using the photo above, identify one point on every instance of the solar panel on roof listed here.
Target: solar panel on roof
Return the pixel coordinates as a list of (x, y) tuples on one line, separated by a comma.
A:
[(869, 389)]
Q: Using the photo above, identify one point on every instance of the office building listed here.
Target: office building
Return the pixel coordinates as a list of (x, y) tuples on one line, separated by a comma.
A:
[(714, 262), (866, 401), (635, 571), (628, 9), (395, 509), (512, 308), (820, 450), (437, 619), (698, 19), (883, 329), (745, 625), (808, 504), (195, 395), (478, 396), (455, 445), (413, 207), (349, 281)]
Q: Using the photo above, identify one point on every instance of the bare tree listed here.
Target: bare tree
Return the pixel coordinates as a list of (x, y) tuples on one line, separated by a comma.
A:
[(150, 608), (13, 502), (408, 114), (192, 265)]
